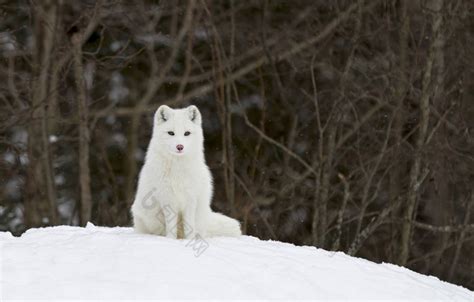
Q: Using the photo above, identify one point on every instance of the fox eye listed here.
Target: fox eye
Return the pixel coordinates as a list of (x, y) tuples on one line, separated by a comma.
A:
[(187, 133), (171, 133)]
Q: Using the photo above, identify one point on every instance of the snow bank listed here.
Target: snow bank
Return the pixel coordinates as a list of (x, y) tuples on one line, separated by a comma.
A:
[(115, 263)]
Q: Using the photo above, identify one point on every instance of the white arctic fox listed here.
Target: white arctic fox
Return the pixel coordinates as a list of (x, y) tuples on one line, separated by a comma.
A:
[(175, 185)]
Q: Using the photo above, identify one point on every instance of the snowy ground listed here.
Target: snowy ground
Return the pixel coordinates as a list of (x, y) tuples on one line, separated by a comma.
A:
[(115, 263)]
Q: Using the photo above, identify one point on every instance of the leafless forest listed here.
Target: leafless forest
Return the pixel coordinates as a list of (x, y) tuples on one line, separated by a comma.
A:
[(346, 125)]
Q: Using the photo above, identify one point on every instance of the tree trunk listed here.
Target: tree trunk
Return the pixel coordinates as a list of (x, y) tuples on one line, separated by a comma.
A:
[(84, 135), (402, 87), (415, 172), (41, 191)]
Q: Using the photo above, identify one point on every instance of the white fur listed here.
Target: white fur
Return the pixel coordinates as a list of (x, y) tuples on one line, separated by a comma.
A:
[(174, 185)]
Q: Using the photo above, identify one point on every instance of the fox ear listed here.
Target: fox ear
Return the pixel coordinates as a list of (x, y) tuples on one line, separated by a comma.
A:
[(194, 114), (162, 114)]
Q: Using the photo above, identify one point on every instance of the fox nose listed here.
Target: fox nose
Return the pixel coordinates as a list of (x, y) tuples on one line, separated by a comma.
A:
[(180, 147)]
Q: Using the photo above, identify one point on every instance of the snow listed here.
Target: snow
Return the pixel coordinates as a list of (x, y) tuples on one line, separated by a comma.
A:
[(115, 263)]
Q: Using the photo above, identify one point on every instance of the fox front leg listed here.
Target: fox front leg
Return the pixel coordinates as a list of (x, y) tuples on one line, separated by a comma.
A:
[(189, 222), (171, 221)]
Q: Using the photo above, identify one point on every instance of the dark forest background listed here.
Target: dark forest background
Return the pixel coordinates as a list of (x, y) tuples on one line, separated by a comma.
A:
[(346, 125)]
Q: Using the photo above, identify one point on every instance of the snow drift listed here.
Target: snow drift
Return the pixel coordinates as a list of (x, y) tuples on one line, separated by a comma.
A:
[(116, 263)]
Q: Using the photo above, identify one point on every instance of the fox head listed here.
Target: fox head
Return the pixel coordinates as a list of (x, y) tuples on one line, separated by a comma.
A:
[(178, 132)]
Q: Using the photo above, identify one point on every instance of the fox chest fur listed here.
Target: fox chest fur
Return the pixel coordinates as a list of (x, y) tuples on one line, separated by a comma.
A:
[(176, 183)]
